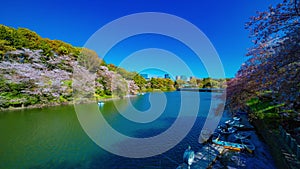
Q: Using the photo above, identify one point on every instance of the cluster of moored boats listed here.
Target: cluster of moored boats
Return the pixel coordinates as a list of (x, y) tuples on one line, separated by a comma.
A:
[(234, 129), (234, 134)]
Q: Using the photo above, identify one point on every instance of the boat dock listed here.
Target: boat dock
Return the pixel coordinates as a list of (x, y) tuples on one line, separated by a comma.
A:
[(205, 157), (236, 140)]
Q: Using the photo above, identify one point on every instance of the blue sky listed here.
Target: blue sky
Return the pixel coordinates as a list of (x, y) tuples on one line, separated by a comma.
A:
[(75, 21)]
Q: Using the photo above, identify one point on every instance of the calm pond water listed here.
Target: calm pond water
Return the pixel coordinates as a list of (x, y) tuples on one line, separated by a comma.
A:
[(53, 138)]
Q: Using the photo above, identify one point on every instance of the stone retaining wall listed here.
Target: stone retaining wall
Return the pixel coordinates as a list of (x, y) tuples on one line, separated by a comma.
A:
[(290, 141)]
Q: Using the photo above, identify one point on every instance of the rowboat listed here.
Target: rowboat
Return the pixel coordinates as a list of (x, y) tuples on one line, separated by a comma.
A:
[(229, 122), (228, 145), (241, 136), (235, 118), (249, 146), (100, 103), (240, 126), (226, 130), (245, 144), (188, 156)]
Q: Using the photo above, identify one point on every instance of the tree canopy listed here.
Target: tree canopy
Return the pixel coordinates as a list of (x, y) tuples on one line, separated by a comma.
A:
[(89, 59), (12, 39), (272, 69)]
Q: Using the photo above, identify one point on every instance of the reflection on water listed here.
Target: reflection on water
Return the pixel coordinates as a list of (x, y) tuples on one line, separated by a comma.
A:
[(53, 138)]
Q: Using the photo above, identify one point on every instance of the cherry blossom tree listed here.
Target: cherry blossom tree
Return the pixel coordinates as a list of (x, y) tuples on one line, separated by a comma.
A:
[(272, 69)]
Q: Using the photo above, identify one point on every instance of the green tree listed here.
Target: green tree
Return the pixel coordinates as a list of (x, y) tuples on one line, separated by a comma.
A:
[(193, 82), (125, 74), (62, 50), (6, 33), (26, 38), (179, 83), (47, 50), (112, 67), (222, 83), (200, 83), (139, 81), (5, 47), (206, 82), (169, 84), (154, 83), (162, 84)]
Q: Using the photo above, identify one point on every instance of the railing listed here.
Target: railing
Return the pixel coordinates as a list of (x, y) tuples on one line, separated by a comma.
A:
[(290, 141)]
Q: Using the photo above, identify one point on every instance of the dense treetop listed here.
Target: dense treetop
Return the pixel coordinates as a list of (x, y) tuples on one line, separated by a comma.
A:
[(272, 70), (12, 39)]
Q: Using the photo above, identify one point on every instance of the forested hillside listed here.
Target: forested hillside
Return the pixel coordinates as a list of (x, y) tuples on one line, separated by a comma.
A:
[(38, 71)]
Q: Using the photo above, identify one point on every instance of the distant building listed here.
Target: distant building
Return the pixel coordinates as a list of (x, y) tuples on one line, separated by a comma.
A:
[(145, 76), (167, 76), (184, 78)]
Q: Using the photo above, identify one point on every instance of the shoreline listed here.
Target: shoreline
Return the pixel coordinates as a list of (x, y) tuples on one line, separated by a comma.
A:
[(40, 106), (53, 104), (36, 106)]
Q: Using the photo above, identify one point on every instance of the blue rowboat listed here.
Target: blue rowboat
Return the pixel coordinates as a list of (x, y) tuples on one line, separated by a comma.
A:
[(100, 103)]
